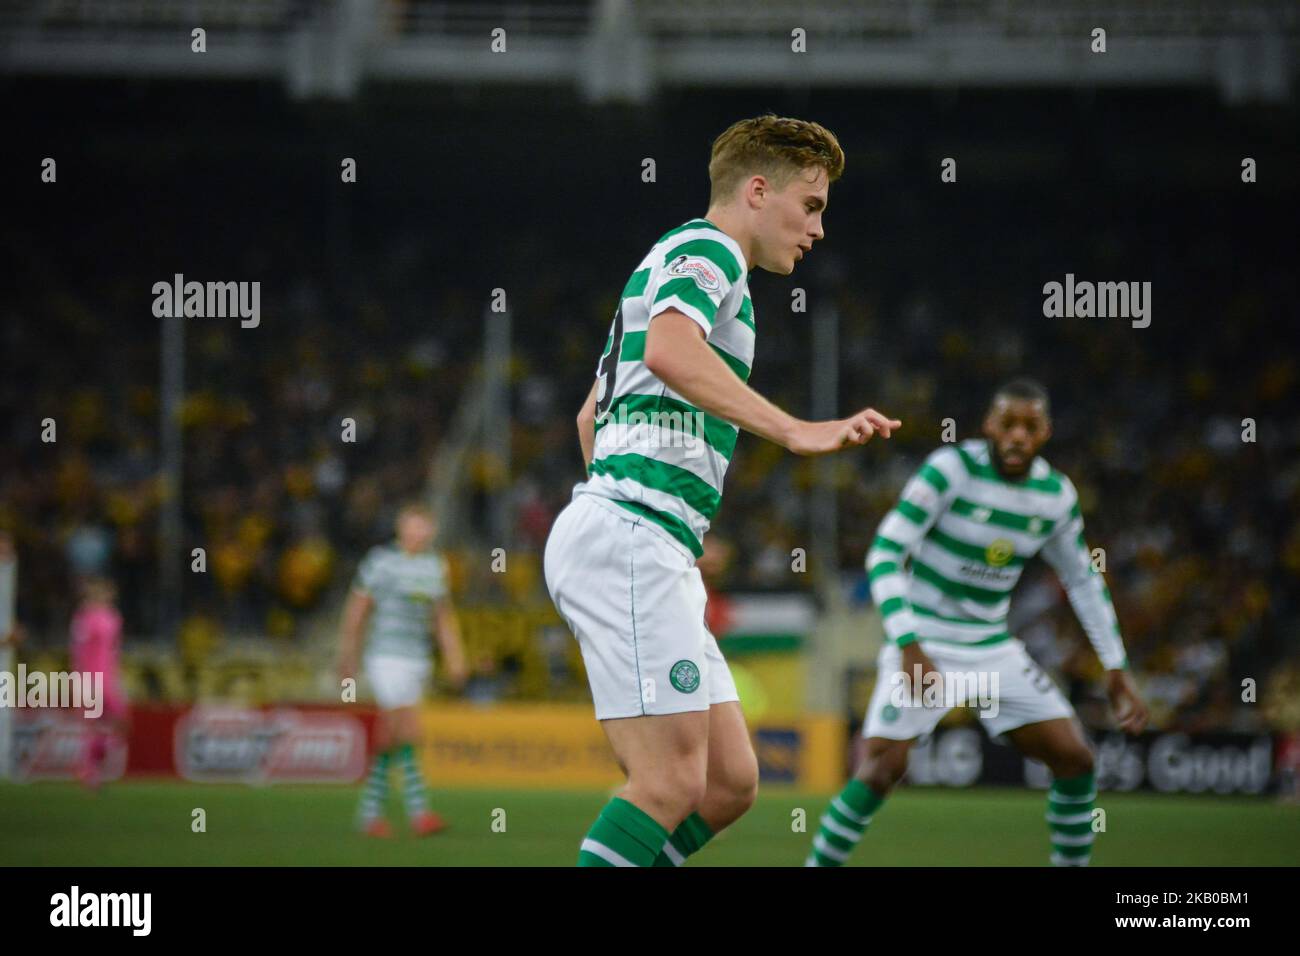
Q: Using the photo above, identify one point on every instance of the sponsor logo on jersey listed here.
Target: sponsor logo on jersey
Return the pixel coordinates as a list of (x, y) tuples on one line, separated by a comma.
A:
[(982, 572), (685, 676), (701, 271)]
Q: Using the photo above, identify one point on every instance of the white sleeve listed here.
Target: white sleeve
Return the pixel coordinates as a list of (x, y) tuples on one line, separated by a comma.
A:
[(695, 278), (1067, 553), (927, 494)]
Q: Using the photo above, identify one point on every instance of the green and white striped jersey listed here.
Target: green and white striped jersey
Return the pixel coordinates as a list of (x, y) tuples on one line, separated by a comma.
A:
[(656, 454), (968, 532), (404, 588)]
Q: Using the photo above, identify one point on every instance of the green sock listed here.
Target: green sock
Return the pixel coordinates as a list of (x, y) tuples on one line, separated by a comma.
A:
[(843, 824), (1069, 819), (623, 835), (691, 834), (375, 790), (414, 794)]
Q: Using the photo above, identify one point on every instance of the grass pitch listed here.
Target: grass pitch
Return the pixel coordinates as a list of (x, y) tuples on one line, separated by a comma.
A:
[(148, 823)]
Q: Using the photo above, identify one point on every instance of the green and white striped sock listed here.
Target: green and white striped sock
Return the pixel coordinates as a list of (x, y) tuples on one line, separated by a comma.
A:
[(1069, 819), (414, 794), (623, 835), (691, 834), (375, 790), (843, 824)]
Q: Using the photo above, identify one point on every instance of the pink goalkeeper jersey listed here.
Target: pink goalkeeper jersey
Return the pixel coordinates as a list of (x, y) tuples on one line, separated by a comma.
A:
[(97, 640)]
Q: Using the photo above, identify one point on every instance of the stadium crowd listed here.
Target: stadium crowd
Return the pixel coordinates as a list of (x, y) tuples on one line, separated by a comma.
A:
[(1182, 437)]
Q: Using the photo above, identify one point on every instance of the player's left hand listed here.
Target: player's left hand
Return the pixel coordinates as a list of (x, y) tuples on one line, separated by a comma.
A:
[(1130, 711)]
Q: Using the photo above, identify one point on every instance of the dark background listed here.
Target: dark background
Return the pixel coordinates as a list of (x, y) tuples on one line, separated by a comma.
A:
[(373, 298)]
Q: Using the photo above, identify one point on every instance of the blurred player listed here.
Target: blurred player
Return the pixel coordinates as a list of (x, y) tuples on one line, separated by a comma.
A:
[(969, 520), (400, 595), (97, 650), (657, 432), (9, 638)]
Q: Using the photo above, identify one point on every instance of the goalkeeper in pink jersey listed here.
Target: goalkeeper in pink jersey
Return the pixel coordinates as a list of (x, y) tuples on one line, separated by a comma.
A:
[(96, 655)]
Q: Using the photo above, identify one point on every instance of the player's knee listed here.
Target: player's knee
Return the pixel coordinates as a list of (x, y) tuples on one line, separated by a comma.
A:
[(692, 787), (749, 784), (882, 771), (412, 732), (740, 786), (881, 778), (1073, 763), (677, 790)]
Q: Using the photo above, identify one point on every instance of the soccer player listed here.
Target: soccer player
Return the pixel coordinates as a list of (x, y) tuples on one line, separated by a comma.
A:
[(657, 432), (10, 637), (97, 654), (969, 520), (399, 596)]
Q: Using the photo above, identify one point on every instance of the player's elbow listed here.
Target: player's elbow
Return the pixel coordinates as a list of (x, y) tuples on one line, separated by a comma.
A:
[(659, 361), (655, 357), (674, 345), (657, 346)]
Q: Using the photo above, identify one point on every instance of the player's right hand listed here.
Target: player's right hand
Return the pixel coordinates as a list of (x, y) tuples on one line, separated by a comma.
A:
[(820, 438), (1130, 711)]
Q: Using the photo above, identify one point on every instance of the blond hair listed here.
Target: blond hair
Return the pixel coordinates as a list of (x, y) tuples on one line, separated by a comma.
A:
[(417, 508), (776, 147)]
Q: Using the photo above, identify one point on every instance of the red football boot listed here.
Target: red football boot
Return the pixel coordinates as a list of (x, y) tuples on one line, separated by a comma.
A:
[(427, 823)]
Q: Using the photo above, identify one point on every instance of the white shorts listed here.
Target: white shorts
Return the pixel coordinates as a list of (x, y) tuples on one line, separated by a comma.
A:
[(397, 681), (635, 601), (1002, 683)]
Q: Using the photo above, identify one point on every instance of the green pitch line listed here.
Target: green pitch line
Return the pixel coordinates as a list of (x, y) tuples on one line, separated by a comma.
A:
[(141, 823)]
